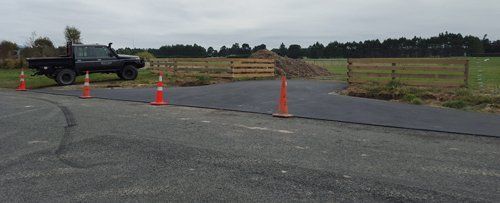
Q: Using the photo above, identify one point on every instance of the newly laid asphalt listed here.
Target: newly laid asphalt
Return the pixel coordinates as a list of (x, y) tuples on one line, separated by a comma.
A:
[(312, 99), (64, 149)]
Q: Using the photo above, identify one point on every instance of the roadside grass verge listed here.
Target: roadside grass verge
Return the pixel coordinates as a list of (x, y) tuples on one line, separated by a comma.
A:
[(463, 98), (9, 78)]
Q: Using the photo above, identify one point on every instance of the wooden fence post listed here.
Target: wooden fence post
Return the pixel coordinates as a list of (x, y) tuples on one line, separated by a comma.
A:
[(232, 69), (393, 72), (466, 73), (175, 68), (349, 64)]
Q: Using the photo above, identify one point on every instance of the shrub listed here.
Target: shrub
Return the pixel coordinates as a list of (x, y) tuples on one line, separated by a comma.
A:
[(145, 55), (417, 101), (409, 97), (456, 104), (394, 84), (412, 99), (10, 64), (204, 79)]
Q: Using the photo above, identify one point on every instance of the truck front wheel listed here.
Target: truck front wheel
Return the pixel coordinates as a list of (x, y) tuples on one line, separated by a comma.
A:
[(128, 72), (65, 77)]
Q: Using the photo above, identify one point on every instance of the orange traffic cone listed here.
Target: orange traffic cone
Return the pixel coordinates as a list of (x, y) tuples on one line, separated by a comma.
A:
[(159, 92), (22, 86), (86, 87), (283, 106)]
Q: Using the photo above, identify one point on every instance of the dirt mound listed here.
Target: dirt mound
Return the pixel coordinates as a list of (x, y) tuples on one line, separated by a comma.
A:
[(292, 67)]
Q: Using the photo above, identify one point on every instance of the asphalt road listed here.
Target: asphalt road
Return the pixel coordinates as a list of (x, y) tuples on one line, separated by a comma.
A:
[(59, 148), (313, 99)]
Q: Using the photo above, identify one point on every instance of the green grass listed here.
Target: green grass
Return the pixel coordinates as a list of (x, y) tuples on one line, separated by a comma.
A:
[(9, 78), (484, 72)]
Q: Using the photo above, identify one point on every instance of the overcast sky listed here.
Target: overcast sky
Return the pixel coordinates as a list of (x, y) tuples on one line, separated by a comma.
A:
[(152, 23)]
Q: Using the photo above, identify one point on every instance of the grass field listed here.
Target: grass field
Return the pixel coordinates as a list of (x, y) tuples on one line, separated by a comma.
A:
[(484, 72), (9, 78)]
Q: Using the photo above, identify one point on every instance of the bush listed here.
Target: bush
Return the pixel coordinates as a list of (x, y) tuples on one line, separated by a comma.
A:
[(417, 101), (456, 104), (145, 55), (412, 99), (10, 64), (204, 79), (394, 84)]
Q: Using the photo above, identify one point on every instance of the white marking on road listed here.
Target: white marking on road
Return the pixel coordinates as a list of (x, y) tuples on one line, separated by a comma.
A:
[(205, 121), (37, 142), (191, 169), (285, 131), (265, 129), (346, 176), (282, 171), (29, 106), (185, 119), (364, 155), (301, 148)]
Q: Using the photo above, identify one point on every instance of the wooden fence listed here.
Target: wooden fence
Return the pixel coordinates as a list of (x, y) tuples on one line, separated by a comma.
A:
[(428, 72), (216, 67)]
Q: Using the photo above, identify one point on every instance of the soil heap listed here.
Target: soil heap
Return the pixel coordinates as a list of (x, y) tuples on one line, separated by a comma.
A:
[(292, 67)]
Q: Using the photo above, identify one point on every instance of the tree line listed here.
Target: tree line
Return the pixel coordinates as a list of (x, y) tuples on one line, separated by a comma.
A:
[(444, 45)]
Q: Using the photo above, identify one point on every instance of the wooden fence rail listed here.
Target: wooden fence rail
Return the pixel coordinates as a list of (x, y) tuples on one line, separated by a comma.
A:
[(216, 67), (412, 72)]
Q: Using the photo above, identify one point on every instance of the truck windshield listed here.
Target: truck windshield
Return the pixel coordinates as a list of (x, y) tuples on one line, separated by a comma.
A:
[(92, 52)]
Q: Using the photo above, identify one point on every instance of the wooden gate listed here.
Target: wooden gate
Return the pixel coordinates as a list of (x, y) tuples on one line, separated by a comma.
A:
[(216, 67)]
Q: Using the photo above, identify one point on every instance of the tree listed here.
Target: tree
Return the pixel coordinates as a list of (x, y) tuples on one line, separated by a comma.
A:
[(145, 55), (7, 49), (235, 49), (72, 34), (316, 50), (223, 51), (260, 47), (282, 51), (246, 49), (294, 51), (44, 47), (473, 45), (211, 52)]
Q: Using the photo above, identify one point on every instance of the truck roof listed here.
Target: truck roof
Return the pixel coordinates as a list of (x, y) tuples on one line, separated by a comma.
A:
[(81, 45)]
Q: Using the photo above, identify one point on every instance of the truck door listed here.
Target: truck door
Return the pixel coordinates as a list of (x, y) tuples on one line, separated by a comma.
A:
[(86, 59), (108, 60)]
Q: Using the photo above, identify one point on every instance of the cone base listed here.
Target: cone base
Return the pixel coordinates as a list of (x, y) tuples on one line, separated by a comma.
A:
[(158, 103), (283, 115), (85, 97), (21, 89)]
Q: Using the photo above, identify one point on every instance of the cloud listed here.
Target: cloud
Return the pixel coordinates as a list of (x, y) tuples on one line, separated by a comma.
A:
[(152, 23)]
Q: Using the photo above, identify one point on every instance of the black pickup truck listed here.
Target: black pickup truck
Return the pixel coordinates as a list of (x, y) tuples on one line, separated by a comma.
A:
[(81, 58)]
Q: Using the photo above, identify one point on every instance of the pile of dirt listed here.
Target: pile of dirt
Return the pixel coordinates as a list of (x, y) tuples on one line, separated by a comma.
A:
[(292, 67)]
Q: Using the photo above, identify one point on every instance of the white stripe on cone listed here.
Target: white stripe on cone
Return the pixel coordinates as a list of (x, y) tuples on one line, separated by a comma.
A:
[(160, 78), (159, 89), (86, 84)]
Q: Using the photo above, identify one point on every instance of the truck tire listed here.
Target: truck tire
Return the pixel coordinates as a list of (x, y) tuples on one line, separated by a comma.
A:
[(128, 72), (65, 77)]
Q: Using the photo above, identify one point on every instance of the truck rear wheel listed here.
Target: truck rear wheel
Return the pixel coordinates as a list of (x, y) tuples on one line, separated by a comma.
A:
[(128, 72), (65, 77)]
